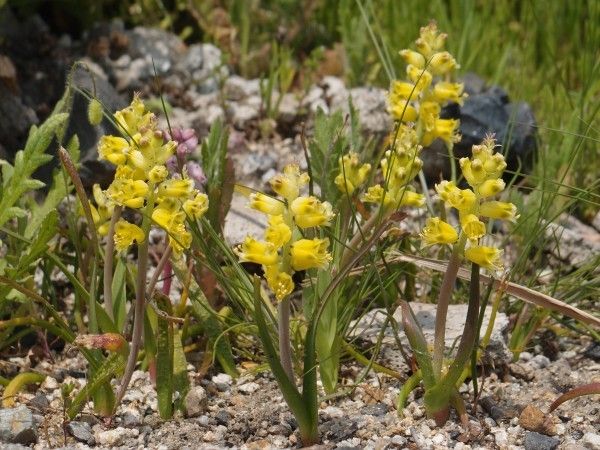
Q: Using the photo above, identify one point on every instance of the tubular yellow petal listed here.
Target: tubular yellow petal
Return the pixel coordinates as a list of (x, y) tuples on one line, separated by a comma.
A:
[(281, 283), (311, 212), (266, 204), (437, 231), (258, 252), (488, 257), (499, 210), (277, 233), (310, 253), (126, 233)]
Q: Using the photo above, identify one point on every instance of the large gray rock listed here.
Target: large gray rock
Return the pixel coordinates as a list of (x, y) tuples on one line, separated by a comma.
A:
[(18, 426), (486, 110)]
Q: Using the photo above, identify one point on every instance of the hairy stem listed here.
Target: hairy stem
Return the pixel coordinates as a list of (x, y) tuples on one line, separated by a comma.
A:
[(108, 262), (439, 344), (283, 327)]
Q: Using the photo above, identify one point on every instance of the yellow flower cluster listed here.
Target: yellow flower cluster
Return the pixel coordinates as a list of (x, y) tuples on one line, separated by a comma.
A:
[(352, 173), (399, 167), (419, 99), (283, 250), (142, 181), (482, 171)]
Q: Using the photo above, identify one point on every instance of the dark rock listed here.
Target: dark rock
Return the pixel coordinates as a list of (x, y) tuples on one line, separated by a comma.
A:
[(486, 111), (222, 417), (81, 431), (593, 351), (537, 441), (18, 426), (39, 403), (338, 430), (376, 409), (17, 118), (496, 411)]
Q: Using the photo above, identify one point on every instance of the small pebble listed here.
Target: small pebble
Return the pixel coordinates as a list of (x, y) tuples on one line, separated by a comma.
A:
[(537, 441), (249, 388), (591, 441)]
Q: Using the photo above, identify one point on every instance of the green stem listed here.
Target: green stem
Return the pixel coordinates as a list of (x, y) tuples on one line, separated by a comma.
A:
[(439, 344), (408, 386), (283, 328), (362, 359)]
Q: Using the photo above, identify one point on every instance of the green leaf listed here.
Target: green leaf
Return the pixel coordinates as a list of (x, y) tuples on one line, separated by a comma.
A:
[(181, 383), (164, 358), (39, 245), (119, 293)]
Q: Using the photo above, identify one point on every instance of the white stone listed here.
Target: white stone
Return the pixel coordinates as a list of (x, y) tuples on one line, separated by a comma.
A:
[(501, 438), (591, 441), (116, 437), (222, 378), (333, 412), (248, 388)]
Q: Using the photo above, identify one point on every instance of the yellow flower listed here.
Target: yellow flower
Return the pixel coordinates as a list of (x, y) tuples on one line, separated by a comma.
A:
[(490, 188), (499, 210), (411, 198), (176, 188), (102, 212), (441, 63), (126, 233), (461, 199), (430, 40), (437, 231), (488, 257), (151, 151), (444, 91), (288, 183), (403, 111), (352, 173), (127, 192), (167, 214), (445, 129), (311, 212), (277, 233), (421, 77), (113, 149), (374, 194), (266, 204), (472, 226), (281, 283), (258, 252), (134, 117), (179, 238), (158, 174), (196, 207), (310, 253), (402, 90), (413, 58)]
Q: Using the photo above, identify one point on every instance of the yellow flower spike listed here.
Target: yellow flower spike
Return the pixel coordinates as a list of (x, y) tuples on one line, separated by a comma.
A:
[(489, 188), (277, 233), (258, 252), (430, 40), (311, 212), (413, 58), (472, 226), (487, 257), (113, 149), (266, 204), (352, 173), (176, 188), (158, 174), (196, 207), (441, 63), (421, 77), (310, 253), (437, 231), (499, 210), (134, 117), (127, 192), (444, 91), (461, 199), (126, 233), (288, 183), (403, 111), (281, 283)]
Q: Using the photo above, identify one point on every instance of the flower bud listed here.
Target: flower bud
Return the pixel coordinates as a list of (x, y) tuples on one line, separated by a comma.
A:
[(94, 112)]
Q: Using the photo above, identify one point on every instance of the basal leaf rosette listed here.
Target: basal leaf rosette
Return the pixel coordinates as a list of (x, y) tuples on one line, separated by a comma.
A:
[(474, 205), (142, 182), (284, 249)]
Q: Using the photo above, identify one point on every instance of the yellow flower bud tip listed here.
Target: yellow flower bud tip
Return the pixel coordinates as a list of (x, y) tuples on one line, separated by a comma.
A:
[(487, 257), (472, 226), (277, 233), (310, 253), (281, 283), (289, 183), (126, 233), (413, 58), (311, 212), (94, 112), (437, 231), (196, 207), (489, 188), (266, 204), (499, 210), (259, 252)]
